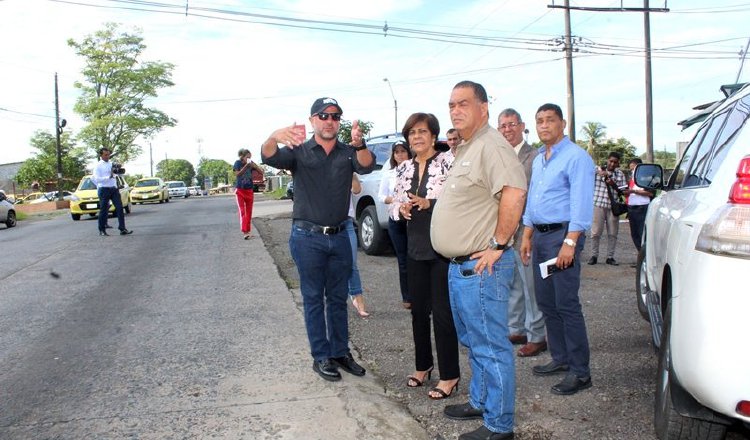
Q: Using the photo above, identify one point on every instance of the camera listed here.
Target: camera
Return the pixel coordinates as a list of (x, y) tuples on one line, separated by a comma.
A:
[(117, 169)]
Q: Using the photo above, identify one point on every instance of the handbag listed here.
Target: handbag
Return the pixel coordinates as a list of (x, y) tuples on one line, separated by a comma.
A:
[(618, 205)]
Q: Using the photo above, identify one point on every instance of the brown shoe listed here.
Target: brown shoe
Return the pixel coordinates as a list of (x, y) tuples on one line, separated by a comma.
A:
[(532, 349), (517, 339)]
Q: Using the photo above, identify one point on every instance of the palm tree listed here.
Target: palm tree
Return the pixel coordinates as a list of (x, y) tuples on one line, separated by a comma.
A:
[(594, 133)]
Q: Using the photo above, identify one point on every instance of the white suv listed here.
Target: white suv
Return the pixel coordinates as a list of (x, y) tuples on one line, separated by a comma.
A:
[(692, 278), (177, 188)]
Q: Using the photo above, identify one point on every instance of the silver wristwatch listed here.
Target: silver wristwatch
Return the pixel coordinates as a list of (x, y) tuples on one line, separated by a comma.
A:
[(494, 245), (569, 242)]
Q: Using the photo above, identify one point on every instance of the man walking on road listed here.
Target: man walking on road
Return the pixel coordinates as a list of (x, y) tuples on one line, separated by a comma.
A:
[(525, 321), (558, 212), (473, 225), (107, 190), (322, 167)]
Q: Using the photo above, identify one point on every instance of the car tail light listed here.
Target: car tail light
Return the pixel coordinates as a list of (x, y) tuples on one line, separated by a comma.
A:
[(743, 408), (727, 232), (741, 189)]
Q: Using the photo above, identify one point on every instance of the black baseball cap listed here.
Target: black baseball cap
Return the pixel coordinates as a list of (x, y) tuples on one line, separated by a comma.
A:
[(321, 104)]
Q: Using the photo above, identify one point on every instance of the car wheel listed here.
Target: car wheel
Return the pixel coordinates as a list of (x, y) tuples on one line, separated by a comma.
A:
[(11, 220), (641, 284), (668, 423), (76, 217), (371, 236)]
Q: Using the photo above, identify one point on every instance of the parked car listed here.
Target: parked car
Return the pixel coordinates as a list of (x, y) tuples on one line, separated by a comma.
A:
[(290, 190), (194, 191), (51, 196), (7, 211), (177, 188), (30, 198), (87, 200), (149, 189), (691, 283), (372, 216)]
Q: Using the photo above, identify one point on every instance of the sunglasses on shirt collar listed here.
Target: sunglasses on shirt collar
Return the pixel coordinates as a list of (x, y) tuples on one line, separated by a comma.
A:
[(324, 116)]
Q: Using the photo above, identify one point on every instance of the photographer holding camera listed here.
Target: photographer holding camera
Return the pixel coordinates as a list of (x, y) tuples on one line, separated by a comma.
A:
[(106, 184)]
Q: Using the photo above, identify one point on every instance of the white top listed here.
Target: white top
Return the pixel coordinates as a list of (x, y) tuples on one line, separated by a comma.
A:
[(637, 199), (103, 177), (351, 205), (387, 184)]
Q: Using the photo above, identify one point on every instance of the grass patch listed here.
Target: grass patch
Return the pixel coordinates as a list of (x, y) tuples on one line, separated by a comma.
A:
[(278, 193), (21, 216)]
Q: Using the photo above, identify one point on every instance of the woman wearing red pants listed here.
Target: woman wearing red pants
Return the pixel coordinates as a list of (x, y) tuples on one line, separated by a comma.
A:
[(243, 169)]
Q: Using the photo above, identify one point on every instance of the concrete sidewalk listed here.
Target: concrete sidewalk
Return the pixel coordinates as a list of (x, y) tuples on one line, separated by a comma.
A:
[(288, 400)]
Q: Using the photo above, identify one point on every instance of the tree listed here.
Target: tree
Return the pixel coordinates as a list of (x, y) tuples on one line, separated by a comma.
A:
[(218, 170), (131, 179), (345, 130), (666, 159), (176, 169), (117, 85), (620, 145), (594, 134), (43, 167)]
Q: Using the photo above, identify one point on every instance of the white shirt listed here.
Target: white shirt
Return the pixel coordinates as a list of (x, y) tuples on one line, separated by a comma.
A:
[(517, 148), (637, 199), (387, 184), (103, 177)]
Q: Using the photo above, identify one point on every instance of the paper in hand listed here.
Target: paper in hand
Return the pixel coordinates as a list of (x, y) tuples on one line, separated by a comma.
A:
[(548, 267)]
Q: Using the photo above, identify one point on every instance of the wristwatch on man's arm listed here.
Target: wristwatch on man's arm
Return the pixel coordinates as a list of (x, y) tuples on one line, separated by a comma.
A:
[(495, 246)]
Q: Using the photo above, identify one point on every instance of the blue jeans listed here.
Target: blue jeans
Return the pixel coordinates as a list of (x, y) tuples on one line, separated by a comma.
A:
[(324, 263), (397, 232), (480, 313), (105, 195), (557, 297), (355, 282)]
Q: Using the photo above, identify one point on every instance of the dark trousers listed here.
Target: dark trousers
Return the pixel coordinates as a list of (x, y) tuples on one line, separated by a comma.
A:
[(428, 290), (637, 220), (397, 232), (324, 263), (557, 297), (105, 195)]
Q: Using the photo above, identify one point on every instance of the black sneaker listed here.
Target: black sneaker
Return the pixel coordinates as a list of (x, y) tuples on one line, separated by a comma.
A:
[(327, 370), (348, 364)]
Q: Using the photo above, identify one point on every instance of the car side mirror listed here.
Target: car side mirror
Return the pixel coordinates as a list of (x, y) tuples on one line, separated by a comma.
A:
[(2, 197), (649, 176)]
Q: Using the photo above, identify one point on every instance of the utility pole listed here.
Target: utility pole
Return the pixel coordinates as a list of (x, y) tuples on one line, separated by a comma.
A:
[(743, 54), (649, 103), (569, 75), (58, 131), (151, 157), (395, 107)]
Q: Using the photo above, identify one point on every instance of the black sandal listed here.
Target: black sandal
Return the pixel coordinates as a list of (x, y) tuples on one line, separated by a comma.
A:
[(417, 382), (442, 394)]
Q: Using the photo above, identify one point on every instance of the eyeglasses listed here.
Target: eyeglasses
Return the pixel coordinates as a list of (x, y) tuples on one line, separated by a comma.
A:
[(509, 125), (324, 116)]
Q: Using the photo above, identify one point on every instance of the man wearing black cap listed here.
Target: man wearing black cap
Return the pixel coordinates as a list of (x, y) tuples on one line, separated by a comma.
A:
[(322, 167)]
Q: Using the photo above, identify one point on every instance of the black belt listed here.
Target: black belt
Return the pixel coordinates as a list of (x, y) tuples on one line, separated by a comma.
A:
[(549, 227), (314, 227), (460, 260)]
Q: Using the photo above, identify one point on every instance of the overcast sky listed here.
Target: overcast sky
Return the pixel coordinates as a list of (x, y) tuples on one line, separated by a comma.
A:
[(239, 76)]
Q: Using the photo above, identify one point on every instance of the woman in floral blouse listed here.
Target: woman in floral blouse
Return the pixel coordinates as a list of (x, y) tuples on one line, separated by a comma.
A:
[(419, 182)]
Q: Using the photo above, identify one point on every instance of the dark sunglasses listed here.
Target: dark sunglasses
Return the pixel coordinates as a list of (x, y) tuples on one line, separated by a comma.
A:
[(324, 116)]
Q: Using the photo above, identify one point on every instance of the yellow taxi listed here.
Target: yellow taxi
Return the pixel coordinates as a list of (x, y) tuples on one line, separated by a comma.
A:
[(87, 200), (149, 189), (30, 198)]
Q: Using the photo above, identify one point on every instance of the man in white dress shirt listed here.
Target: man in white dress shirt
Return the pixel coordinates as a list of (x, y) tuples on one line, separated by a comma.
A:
[(107, 190)]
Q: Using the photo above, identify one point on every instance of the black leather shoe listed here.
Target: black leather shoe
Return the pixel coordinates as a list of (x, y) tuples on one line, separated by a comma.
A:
[(485, 434), (126, 232), (463, 411), (592, 260), (611, 262), (107, 227), (327, 370), (103, 233), (348, 364), (571, 385), (549, 369)]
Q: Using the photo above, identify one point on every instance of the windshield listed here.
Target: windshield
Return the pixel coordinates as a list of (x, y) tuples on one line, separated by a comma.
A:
[(176, 184), (86, 184), (149, 182)]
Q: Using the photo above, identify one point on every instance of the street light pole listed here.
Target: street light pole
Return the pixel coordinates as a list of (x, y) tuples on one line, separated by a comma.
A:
[(395, 107), (58, 131)]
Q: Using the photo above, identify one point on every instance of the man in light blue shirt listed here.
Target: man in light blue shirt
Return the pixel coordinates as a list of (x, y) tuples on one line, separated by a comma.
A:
[(558, 211), (106, 188)]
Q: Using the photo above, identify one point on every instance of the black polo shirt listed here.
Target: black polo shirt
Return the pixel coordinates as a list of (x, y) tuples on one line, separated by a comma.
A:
[(322, 183)]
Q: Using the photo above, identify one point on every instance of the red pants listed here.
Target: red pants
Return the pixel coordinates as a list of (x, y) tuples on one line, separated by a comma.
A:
[(245, 206)]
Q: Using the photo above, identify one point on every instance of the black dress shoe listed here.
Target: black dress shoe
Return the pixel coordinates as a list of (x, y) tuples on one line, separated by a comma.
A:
[(485, 434), (549, 369), (611, 262), (348, 364), (327, 370), (571, 385), (107, 227), (125, 232), (103, 233), (463, 411), (592, 260)]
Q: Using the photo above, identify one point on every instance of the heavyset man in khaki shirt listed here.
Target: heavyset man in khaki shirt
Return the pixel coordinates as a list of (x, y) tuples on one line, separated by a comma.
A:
[(473, 224)]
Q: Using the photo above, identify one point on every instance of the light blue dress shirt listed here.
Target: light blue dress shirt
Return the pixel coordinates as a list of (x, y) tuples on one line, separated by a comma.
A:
[(562, 187)]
